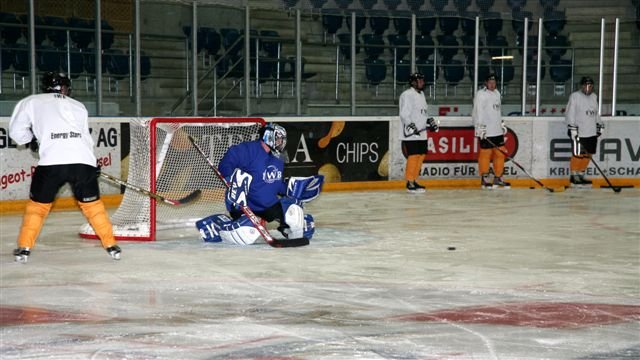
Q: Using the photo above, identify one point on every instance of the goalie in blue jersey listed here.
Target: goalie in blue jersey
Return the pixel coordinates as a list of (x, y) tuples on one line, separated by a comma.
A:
[(254, 171)]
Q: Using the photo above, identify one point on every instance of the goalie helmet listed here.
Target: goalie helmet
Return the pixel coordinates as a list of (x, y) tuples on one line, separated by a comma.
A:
[(54, 83), (275, 137)]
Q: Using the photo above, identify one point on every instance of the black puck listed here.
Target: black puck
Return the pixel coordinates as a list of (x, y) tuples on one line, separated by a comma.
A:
[(451, 248)]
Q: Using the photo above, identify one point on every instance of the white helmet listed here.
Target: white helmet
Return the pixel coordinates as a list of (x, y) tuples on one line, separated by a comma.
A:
[(275, 136)]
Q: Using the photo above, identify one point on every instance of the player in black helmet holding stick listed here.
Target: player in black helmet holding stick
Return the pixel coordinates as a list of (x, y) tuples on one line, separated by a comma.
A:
[(584, 127), (60, 125), (414, 121)]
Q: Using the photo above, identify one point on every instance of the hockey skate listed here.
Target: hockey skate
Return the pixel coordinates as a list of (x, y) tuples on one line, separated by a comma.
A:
[(485, 182), (578, 181), (499, 183), (414, 187), (22, 255), (114, 251)]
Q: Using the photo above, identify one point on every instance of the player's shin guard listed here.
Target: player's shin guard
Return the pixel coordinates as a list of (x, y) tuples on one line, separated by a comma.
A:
[(414, 163), (498, 161), (575, 164), (97, 216), (484, 160), (34, 215)]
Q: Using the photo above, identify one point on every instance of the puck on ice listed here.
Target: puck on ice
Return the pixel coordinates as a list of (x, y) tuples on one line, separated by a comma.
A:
[(451, 248)]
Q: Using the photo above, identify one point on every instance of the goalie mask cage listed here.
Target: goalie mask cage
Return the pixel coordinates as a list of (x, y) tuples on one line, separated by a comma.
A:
[(163, 160)]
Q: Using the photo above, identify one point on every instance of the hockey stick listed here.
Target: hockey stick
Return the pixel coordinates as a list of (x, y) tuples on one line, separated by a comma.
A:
[(523, 169), (615, 189), (185, 200), (278, 243)]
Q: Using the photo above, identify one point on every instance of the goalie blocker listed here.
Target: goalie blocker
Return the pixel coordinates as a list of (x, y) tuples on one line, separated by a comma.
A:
[(296, 224)]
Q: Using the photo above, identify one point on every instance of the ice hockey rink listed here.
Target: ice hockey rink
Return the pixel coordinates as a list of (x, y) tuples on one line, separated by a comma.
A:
[(450, 274)]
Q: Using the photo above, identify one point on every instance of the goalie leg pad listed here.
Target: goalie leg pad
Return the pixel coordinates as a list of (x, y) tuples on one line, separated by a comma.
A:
[(309, 226), (241, 231), (293, 218), (209, 227)]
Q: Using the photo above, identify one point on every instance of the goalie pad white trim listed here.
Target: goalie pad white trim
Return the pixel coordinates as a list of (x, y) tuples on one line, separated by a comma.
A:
[(294, 218), (220, 227), (305, 189)]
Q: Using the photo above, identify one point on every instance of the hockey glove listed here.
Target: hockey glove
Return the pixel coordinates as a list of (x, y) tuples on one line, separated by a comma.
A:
[(599, 128), (411, 129), (34, 145), (434, 124), (481, 131)]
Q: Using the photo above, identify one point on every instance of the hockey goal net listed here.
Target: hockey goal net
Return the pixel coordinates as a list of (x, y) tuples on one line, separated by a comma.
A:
[(163, 161)]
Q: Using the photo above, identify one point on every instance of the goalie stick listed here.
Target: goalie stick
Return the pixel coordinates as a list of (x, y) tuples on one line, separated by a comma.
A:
[(185, 200), (523, 169), (614, 188), (278, 243)]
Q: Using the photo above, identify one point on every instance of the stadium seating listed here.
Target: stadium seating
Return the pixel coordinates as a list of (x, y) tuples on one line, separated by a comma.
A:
[(448, 47), (425, 47), (439, 5), (400, 44), (468, 22), (517, 21), (556, 46), (343, 4), (448, 22), (108, 36), (403, 70), (7, 57), (491, 23), (426, 67), (517, 4), (368, 4), (211, 40), (373, 45), (230, 41), (375, 71), (498, 46), (58, 37), (331, 23), (270, 42), (402, 23), (426, 24), (461, 5), (379, 23), (317, 4), (484, 5), (554, 22), (344, 40), (84, 34), (392, 4), (47, 58), (453, 73), (10, 34), (361, 22)]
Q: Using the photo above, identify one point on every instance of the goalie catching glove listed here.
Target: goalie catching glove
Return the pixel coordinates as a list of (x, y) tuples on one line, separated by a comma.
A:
[(304, 189)]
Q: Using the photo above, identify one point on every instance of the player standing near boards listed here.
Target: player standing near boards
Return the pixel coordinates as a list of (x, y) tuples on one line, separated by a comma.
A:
[(584, 128), (490, 129), (414, 121), (56, 126)]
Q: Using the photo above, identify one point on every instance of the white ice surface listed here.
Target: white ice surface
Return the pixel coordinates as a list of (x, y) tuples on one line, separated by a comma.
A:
[(376, 257)]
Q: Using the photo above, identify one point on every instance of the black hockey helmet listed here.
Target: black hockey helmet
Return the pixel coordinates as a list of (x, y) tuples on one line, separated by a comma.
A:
[(491, 76), (415, 77), (53, 82), (586, 80)]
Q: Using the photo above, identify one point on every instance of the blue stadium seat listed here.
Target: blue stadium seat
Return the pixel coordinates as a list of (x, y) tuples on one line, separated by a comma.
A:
[(403, 70), (211, 40), (270, 42), (448, 22), (76, 63), (41, 33), (439, 5), (399, 43), (453, 72), (556, 46), (469, 43), (468, 22), (379, 22), (230, 41), (415, 5), (517, 21), (145, 66), (373, 45), (554, 22), (462, 5), (344, 40), (90, 62), (7, 57), (290, 3), (549, 4), (375, 71), (201, 37), (343, 4), (531, 69), (498, 46), (491, 23), (21, 60), (83, 36), (331, 23), (361, 22), (560, 70), (504, 69), (484, 5), (58, 37), (117, 63), (448, 47), (532, 44), (425, 46), (484, 69), (402, 22), (48, 58), (317, 4), (10, 34), (516, 4), (107, 34), (426, 24), (368, 4), (426, 67), (392, 4)]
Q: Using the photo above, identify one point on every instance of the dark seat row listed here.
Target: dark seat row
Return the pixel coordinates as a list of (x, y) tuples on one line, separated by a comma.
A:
[(53, 28)]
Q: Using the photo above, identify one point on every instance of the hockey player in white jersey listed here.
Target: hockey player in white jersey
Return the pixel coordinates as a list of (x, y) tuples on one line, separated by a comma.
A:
[(255, 172), (414, 123), (56, 126), (490, 129), (584, 127)]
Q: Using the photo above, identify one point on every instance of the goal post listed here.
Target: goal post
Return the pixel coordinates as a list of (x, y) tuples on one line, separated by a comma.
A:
[(163, 161)]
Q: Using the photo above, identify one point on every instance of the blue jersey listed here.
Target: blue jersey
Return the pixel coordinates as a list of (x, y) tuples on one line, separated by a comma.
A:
[(266, 169)]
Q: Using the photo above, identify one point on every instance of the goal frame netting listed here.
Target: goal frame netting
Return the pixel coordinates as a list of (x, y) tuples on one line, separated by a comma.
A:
[(154, 166)]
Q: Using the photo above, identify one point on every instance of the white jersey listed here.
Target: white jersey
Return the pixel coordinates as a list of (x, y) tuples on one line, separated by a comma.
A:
[(582, 112), (61, 126), (487, 111), (413, 109)]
